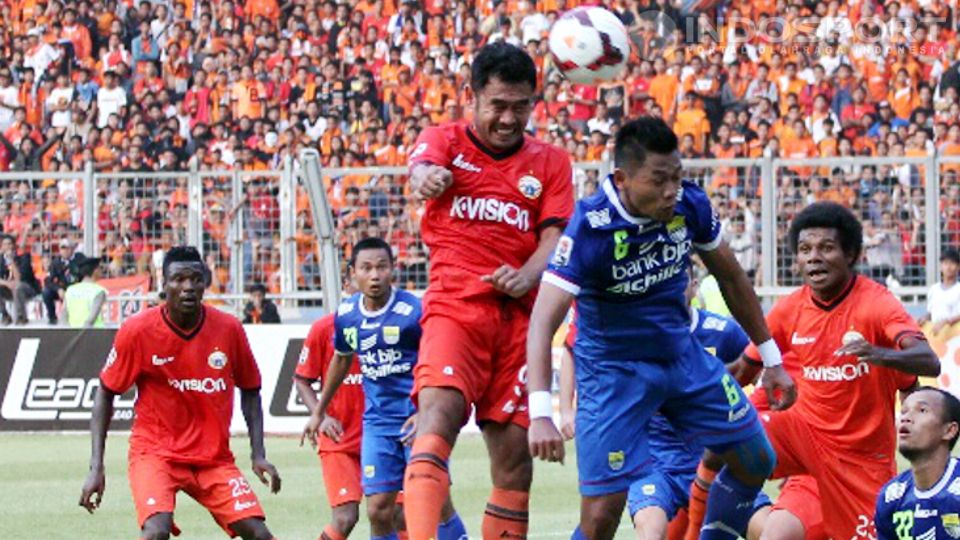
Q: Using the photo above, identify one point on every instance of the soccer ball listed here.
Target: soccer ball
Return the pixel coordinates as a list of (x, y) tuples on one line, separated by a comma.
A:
[(589, 45)]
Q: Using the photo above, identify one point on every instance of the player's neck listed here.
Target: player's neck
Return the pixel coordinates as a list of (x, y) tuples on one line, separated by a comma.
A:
[(827, 296), (184, 321), (372, 304), (930, 468)]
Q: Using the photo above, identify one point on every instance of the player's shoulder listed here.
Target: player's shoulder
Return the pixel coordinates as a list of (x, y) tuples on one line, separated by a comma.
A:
[(348, 307), (597, 212), (405, 303), (716, 322), (220, 319), (691, 197), (896, 489), (323, 324)]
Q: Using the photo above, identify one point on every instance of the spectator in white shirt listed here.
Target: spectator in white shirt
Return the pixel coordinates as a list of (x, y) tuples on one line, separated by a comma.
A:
[(110, 99), (9, 99), (39, 54), (943, 299), (58, 102)]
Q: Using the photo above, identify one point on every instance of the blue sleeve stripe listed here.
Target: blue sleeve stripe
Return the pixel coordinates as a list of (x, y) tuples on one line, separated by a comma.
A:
[(561, 283), (710, 246)]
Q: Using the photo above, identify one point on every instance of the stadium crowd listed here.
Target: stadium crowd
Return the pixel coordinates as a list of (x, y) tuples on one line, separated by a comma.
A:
[(129, 86)]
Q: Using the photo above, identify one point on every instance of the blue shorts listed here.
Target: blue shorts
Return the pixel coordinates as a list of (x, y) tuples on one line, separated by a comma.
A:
[(616, 399), (383, 459)]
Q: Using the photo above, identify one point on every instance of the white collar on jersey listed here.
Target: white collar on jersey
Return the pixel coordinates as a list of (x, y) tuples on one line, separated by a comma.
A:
[(694, 319), (381, 311), (611, 192), (938, 487)]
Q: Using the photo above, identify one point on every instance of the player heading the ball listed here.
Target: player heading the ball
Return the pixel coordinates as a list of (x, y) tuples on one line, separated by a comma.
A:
[(186, 359), (624, 257), (496, 202)]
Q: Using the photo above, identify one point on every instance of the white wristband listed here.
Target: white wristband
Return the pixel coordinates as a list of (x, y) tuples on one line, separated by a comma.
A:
[(540, 404), (770, 354)]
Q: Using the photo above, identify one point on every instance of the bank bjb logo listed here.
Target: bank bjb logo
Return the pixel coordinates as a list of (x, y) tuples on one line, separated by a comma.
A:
[(60, 385)]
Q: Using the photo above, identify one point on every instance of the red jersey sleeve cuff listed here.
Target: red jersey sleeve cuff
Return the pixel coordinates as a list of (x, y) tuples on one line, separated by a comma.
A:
[(756, 362), (908, 333), (305, 378), (113, 390), (552, 222)]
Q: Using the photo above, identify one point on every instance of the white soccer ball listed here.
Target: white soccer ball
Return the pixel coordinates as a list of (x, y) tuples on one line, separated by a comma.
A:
[(589, 45)]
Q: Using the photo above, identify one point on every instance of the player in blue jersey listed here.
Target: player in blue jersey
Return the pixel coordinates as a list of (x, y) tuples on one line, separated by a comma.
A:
[(923, 503), (381, 326), (657, 502), (624, 257)]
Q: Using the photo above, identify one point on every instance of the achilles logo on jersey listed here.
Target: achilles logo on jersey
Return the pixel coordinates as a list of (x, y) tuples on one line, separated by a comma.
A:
[(846, 372), (208, 385), (487, 209), (160, 361), (461, 163), (894, 491), (801, 340), (599, 218)]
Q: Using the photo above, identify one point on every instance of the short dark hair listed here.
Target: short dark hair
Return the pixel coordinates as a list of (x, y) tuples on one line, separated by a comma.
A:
[(510, 64), (950, 254), (258, 288), (951, 409), (184, 254), (370, 244), (639, 136), (4, 236), (830, 215)]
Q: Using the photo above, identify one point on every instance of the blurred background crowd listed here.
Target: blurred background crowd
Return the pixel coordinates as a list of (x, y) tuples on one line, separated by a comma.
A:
[(173, 85)]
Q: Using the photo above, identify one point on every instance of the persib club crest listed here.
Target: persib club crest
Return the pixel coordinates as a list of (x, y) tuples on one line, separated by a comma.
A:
[(391, 335), (951, 524), (530, 186), (677, 229), (615, 460), (217, 360)]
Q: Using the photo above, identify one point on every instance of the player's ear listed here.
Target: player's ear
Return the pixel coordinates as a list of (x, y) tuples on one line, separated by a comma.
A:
[(619, 177)]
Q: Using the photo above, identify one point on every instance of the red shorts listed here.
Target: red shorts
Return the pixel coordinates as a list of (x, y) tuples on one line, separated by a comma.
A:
[(848, 483), (221, 489), (800, 496), (477, 346), (341, 477)]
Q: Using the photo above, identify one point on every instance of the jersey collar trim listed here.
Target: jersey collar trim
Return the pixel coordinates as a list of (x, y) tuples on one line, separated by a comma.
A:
[(694, 319), (839, 299), (938, 487), (611, 191), (496, 156), (185, 335), (381, 311)]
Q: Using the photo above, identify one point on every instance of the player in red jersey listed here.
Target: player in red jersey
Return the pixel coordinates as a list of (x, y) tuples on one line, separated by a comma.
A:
[(497, 202), (856, 347), (341, 430), (186, 359)]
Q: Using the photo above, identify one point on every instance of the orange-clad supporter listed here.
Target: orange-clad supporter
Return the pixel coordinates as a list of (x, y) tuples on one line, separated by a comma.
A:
[(799, 146), (951, 147), (902, 95), (724, 149), (248, 96), (407, 92), (268, 9), (77, 33), (663, 88), (692, 119)]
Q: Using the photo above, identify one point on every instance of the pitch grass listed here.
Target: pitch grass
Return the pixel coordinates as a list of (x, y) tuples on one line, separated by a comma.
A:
[(41, 476)]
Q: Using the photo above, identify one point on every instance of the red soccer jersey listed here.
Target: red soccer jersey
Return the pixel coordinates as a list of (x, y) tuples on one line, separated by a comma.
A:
[(184, 381), (347, 403), (492, 213), (852, 402)]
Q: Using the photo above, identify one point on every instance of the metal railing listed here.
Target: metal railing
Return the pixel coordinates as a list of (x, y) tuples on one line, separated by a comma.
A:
[(257, 226)]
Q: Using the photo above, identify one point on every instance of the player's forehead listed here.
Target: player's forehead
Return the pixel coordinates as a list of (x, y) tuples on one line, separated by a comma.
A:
[(927, 398), (372, 255), (817, 235), (662, 164), (184, 269), (498, 91)]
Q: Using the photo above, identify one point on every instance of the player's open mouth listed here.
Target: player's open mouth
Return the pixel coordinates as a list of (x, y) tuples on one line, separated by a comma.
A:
[(816, 274), (904, 431)]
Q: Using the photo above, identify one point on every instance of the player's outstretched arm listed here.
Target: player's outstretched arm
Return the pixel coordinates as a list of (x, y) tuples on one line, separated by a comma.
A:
[(92, 494), (737, 291), (336, 373), (549, 310), (915, 356), (253, 414)]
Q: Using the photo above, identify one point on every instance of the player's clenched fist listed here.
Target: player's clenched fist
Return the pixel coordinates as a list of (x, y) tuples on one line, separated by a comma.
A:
[(546, 443), (429, 181)]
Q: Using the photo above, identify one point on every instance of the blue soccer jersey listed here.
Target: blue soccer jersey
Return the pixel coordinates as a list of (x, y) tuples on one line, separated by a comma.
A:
[(905, 512), (386, 343), (629, 274), (722, 337)]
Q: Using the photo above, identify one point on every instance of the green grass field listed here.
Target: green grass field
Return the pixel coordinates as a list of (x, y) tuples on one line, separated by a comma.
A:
[(41, 476)]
